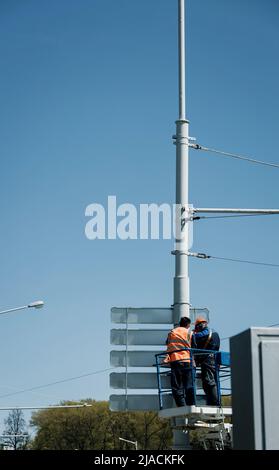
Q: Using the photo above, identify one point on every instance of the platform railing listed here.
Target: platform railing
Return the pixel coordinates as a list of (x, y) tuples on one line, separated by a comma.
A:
[(221, 366)]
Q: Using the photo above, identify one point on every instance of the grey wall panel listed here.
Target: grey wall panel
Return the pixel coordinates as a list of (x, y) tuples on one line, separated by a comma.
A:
[(270, 382), (242, 385), (255, 384)]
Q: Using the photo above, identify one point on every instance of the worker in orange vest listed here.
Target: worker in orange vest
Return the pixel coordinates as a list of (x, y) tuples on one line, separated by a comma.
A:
[(181, 363)]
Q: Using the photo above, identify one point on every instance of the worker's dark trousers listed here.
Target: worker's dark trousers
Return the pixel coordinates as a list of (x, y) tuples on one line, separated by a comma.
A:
[(208, 376), (182, 383)]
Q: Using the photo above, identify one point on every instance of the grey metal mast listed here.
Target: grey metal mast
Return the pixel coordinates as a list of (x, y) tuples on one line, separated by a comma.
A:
[(181, 301)]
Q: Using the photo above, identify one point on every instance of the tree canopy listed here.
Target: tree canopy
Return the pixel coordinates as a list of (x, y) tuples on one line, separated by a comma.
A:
[(96, 427)]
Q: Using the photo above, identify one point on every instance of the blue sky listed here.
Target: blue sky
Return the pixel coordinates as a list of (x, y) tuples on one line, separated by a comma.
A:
[(88, 96)]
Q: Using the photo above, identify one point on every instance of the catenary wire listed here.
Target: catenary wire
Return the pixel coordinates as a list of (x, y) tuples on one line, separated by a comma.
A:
[(235, 260), (233, 155), (56, 383)]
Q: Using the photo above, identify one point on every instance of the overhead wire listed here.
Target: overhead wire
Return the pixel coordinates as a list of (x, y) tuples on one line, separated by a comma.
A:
[(233, 155), (38, 394), (56, 382), (236, 260)]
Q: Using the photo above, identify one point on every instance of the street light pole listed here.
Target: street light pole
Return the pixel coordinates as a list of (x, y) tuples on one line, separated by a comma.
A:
[(181, 303), (37, 304)]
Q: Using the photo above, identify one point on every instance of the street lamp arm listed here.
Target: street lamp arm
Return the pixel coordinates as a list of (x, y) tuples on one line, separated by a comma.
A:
[(135, 443), (37, 304), (13, 309)]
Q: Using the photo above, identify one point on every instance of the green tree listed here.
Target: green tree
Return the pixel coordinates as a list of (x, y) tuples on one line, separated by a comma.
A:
[(98, 428)]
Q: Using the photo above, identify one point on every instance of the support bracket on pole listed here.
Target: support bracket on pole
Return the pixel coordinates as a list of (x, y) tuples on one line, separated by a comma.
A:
[(188, 253), (185, 140)]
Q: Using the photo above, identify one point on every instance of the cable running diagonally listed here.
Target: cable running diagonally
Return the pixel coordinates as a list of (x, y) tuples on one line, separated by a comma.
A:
[(56, 383), (233, 155), (235, 260)]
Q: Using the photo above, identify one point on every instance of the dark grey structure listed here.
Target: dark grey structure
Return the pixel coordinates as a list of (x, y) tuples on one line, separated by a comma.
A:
[(255, 384)]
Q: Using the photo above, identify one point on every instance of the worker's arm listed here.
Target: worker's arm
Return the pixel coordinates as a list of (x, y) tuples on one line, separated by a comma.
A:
[(202, 334), (215, 341), (193, 342)]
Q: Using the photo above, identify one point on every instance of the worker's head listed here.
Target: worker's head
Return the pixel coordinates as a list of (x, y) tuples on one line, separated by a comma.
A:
[(200, 323), (185, 322)]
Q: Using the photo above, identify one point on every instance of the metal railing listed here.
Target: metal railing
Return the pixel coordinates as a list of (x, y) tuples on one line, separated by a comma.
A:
[(221, 366)]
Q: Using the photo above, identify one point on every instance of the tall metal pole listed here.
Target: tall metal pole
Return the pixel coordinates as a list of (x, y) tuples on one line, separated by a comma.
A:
[(181, 280), (181, 302), (182, 62)]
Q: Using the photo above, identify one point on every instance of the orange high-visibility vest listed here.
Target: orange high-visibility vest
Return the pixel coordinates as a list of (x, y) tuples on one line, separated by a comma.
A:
[(178, 338)]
